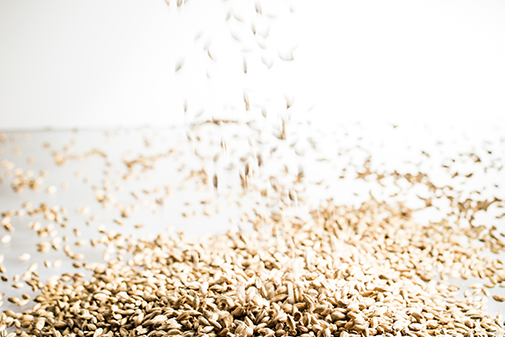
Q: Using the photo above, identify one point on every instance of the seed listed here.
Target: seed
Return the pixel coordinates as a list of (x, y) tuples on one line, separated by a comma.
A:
[(51, 189), (499, 298), (33, 267), (24, 257)]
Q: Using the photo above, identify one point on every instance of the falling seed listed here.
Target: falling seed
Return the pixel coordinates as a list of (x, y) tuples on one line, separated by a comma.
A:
[(228, 15), (179, 64), (207, 44), (236, 37), (289, 101), (238, 17), (210, 55), (269, 62), (246, 100), (286, 56), (257, 7)]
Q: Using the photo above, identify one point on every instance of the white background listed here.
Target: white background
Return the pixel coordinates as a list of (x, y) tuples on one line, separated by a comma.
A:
[(111, 63)]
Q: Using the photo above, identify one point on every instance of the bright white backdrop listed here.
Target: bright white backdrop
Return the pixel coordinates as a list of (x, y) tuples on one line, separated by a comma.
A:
[(111, 63)]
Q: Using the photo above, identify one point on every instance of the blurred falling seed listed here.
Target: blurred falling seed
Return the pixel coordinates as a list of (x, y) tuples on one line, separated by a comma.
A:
[(215, 181), (265, 32), (228, 15), (300, 152), (268, 62), (292, 196), (210, 55), (179, 64), (257, 7), (224, 146), (200, 112), (289, 101), (185, 105), (251, 140), (261, 44), (198, 35), (238, 17), (246, 100), (264, 111), (259, 158), (236, 37), (207, 43), (286, 56), (245, 66), (179, 3)]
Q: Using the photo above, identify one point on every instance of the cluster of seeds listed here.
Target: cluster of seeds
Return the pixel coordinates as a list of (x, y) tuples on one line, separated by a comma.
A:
[(333, 270), (364, 271)]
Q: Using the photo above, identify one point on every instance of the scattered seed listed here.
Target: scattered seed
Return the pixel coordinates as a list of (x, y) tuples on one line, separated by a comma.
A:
[(24, 257)]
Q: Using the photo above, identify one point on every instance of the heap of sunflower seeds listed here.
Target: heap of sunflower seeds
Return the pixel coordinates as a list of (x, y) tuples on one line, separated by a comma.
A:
[(336, 270), (364, 271)]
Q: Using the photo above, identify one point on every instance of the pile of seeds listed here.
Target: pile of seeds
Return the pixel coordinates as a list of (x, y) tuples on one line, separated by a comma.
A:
[(334, 270)]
